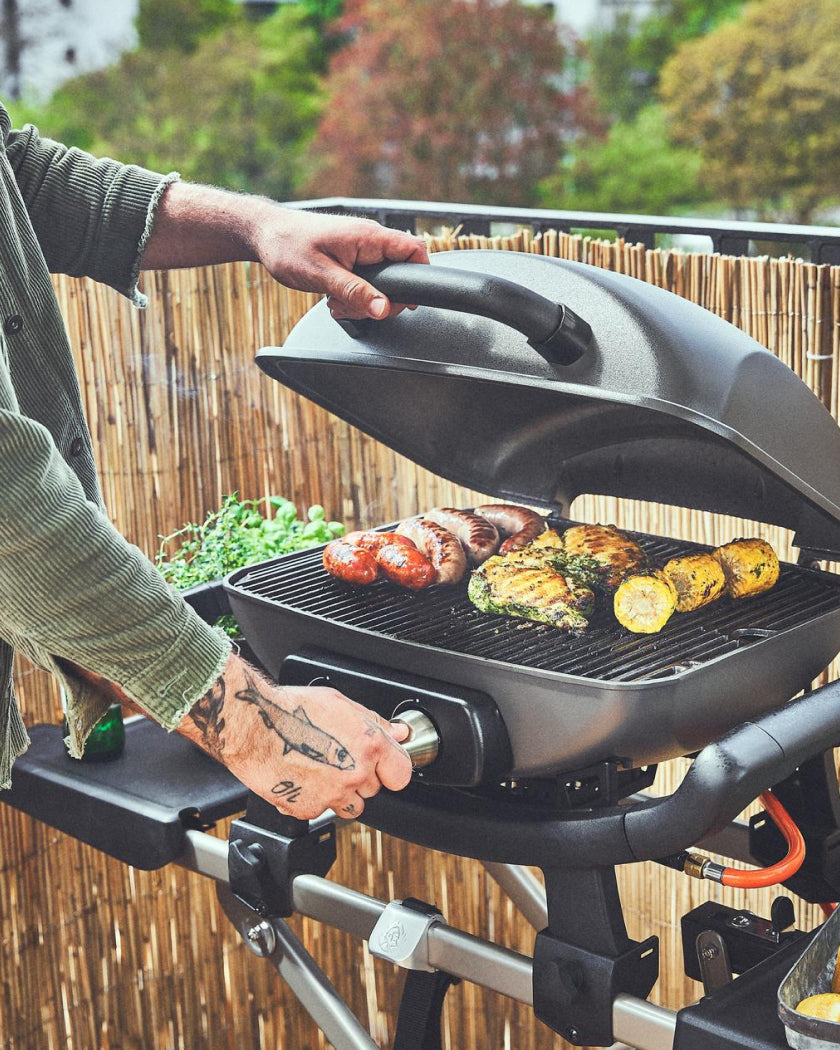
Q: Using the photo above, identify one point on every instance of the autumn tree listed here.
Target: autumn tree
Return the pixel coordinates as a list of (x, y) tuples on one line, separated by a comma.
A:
[(235, 108), (759, 100), (458, 101), (626, 59)]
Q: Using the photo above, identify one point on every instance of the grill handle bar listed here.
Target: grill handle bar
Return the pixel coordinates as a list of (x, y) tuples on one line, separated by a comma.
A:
[(552, 329), (726, 776)]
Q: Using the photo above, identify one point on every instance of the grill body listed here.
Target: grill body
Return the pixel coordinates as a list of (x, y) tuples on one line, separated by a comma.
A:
[(537, 380), (567, 702)]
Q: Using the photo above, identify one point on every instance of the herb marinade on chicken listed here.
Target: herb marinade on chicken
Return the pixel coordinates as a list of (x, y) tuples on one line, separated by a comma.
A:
[(539, 593)]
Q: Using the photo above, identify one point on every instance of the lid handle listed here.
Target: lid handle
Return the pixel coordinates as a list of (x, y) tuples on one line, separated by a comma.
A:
[(551, 328)]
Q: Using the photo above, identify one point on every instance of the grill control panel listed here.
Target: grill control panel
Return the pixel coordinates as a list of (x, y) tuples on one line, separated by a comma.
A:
[(474, 745)]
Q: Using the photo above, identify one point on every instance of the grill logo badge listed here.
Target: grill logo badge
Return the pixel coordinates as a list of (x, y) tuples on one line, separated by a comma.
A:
[(392, 938)]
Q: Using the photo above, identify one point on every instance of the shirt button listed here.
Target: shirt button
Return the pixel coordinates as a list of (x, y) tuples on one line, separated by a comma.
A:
[(12, 325), (76, 446)]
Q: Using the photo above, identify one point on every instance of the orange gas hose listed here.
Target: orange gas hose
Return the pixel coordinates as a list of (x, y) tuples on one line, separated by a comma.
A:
[(776, 873)]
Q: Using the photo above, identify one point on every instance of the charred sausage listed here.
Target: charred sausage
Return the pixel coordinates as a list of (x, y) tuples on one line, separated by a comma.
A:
[(405, 565), (519, 524), (479, 538), (374, 541), (349, 563), (442, 549)]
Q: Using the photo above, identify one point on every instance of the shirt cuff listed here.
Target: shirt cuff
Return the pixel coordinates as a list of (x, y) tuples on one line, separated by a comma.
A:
[(132, 291)]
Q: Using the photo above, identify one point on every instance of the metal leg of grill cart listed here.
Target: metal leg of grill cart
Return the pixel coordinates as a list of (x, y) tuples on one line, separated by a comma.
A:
[(273, 940), (637, 1023), (523, 888)]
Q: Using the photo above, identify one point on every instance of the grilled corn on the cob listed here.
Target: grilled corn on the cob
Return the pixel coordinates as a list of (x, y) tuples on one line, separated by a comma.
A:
[(698, 579), (750, 566), (645, 602), (601, 555)]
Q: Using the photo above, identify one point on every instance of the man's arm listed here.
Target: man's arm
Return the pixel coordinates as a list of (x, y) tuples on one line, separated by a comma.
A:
[(305, 749), (201, 225)]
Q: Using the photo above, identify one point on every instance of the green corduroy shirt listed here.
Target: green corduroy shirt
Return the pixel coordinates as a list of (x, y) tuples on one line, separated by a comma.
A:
[(70, 585)]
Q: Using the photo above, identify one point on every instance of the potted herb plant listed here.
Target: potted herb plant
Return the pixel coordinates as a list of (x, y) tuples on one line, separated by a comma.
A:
[(196, 558)]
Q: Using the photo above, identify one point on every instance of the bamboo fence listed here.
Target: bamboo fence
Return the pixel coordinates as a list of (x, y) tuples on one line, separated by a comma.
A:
[(98, 955)]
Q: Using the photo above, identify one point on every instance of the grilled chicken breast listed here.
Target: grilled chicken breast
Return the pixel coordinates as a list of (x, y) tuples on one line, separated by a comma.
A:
[(750, 567), (601, 555), (532, 593)]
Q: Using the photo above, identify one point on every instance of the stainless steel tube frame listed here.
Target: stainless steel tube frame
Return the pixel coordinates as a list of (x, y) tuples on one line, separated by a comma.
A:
[(636, 1023)]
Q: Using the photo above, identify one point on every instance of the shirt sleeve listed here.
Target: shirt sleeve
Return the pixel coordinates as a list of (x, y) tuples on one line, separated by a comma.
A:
[(72, 587), (92, 216)]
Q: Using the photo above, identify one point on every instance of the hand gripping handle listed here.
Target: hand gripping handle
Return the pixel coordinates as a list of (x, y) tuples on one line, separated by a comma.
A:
[(554, 330)]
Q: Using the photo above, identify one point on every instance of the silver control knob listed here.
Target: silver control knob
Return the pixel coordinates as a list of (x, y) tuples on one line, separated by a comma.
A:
[(423, 742)]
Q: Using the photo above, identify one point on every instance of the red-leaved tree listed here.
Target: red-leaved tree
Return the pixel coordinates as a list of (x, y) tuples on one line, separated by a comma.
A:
[(462, 100)]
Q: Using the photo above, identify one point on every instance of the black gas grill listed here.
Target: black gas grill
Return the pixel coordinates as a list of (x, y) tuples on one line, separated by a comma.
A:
[(623, 390)]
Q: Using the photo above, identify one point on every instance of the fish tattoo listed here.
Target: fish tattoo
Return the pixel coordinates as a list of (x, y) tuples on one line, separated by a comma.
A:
[(298, 732)]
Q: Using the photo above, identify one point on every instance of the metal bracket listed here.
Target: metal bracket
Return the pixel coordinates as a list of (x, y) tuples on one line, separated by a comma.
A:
[(401, 934), (266, 850)]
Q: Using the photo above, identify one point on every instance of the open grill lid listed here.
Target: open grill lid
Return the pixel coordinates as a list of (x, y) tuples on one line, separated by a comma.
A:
[(492, 384)]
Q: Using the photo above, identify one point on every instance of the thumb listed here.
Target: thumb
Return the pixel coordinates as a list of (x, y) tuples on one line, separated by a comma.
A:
[(355, 296)]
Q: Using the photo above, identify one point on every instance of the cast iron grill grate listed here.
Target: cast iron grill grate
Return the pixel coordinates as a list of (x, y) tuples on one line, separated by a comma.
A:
[(443, 618)]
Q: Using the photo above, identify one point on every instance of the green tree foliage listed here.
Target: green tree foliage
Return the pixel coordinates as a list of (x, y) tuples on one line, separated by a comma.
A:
[(759, 100), (456, 101), (626, 60), (236, 111), (180, 24), (635, 169)]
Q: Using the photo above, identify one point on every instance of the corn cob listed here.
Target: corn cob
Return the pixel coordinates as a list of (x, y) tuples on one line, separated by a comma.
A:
[(698, 579), (750, 566), (644, 603)]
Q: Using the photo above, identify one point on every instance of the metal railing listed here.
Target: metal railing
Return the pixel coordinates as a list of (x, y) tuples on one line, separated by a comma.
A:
[(818, 244)]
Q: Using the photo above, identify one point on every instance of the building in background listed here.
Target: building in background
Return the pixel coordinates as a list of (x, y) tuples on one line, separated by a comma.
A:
[(45, 42), (585, 15)]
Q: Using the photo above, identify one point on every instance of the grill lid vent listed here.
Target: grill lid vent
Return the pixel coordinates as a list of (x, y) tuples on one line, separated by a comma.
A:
[(667, 403)]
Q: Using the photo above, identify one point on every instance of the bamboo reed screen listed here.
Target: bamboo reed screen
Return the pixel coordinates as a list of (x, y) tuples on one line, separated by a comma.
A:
[(95, 954)]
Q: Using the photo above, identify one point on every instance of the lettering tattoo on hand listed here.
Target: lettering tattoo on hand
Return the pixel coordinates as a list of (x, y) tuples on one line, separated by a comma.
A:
[(287, 790), (296, 729), (206, 715)]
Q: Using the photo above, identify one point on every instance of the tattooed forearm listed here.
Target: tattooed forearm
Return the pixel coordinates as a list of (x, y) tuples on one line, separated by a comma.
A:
[(206, 715), (295, 729), (287, 790)]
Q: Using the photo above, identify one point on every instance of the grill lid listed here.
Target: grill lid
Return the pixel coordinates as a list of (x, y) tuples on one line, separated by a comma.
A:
[(494, 388)]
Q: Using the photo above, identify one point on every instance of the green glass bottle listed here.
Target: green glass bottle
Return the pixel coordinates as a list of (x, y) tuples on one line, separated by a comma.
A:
[(107, 738)]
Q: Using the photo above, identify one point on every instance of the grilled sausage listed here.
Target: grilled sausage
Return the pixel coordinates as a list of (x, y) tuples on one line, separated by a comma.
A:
[(405, 565), (519, 524), (374, 541), (349, 563), (442, 549), (698, 578), (479, 538), (750, 566)]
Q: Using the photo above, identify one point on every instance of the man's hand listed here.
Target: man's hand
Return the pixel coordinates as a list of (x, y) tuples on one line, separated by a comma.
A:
[(305, 749), (201, 225), (316, 253)]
